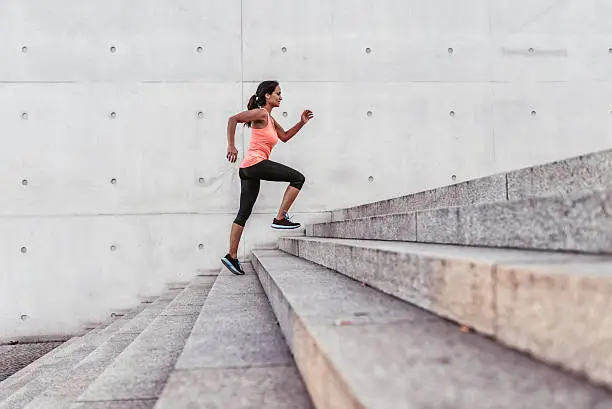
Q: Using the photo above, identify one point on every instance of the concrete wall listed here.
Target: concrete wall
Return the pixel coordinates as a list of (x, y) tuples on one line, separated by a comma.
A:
[(113, 118)]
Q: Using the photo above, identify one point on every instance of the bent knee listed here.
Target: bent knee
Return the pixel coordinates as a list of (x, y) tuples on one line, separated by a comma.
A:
[(299, 181)]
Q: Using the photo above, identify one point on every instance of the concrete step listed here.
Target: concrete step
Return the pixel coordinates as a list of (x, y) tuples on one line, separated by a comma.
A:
[(553, 306), (68, 346), (61, 394), (57, 370), (357, 347), (134, 376), (569, 176), (51, 356), (236, 356), (78, 346), (580, 223)]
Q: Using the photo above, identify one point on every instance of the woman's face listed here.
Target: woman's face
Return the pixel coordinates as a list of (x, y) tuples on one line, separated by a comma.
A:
[(275, 98)]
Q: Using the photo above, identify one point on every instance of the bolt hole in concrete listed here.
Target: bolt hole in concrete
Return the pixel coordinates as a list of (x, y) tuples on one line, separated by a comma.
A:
[(113, 49), (24, 116), (533, 113), (24, 250), (113, 248), (201, 180), (284, 49), (200, 114), (452, 113), (113, 115), (610, 50), (24, 317), (371, 179), (369, 113), (201, 246), (285, 114), (368, 50), (199, 49), (450, 50), (454, 177), (531, 50), (113, 181), (24, 49), (24, 182)]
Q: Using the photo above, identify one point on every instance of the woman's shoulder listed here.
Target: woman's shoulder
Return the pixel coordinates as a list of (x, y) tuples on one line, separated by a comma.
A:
[(262, 113)]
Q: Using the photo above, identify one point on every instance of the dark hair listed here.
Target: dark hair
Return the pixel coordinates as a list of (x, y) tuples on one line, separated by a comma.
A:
[(258, 100)]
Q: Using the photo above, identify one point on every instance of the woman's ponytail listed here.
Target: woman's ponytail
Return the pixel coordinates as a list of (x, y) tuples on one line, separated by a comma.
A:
[(253, 103), (258, 99)]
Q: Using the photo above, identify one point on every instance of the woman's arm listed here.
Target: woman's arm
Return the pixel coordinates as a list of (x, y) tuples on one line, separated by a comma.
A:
[(283, 135), (245, 116)]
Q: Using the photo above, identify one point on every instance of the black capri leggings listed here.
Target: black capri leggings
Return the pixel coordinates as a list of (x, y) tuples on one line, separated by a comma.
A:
[(251, 177)]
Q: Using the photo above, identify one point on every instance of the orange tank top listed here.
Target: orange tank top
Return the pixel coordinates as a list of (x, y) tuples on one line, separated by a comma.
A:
[(262, 142)]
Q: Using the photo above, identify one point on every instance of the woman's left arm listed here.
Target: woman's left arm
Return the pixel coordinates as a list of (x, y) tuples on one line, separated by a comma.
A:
[(284, 136)]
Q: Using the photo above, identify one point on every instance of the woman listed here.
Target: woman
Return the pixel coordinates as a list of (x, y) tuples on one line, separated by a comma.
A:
[(257, 165)]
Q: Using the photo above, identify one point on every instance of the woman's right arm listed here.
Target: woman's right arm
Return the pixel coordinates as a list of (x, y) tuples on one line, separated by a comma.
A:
[(242, 117)]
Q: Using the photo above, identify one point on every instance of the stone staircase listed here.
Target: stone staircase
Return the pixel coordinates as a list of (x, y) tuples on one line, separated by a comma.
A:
[(493, 293), (213, 342), (357, 347)]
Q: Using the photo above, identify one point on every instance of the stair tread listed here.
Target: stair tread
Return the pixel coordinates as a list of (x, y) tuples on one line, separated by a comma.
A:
[(235, 351), (27, 392), (140, 370), (59, 395)]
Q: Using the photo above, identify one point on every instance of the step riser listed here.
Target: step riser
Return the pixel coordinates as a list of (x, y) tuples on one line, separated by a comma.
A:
[(579, 174), (517, 304), (578, 224)]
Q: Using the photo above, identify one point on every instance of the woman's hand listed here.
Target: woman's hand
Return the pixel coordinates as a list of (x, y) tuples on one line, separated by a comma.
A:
[(307, 115), (232, 153)]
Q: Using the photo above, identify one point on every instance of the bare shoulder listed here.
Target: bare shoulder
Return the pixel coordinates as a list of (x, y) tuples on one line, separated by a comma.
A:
[(260, 118), (252, 115)]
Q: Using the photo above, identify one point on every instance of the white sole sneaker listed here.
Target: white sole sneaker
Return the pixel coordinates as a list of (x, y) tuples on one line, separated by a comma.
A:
[(279, 227)]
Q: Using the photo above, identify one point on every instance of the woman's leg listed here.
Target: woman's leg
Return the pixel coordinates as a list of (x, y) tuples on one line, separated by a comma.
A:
[(288, 199), (249, 189), (235, 235), (277, 172)]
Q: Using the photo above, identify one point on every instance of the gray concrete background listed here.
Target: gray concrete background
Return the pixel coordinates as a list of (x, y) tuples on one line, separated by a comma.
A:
[(448, 91)]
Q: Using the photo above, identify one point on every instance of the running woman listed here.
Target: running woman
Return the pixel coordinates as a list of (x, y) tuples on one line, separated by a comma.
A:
[(257, 165)]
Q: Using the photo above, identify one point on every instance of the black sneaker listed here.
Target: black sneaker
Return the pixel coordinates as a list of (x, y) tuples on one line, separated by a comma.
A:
[(285, 224), (232, 264)]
